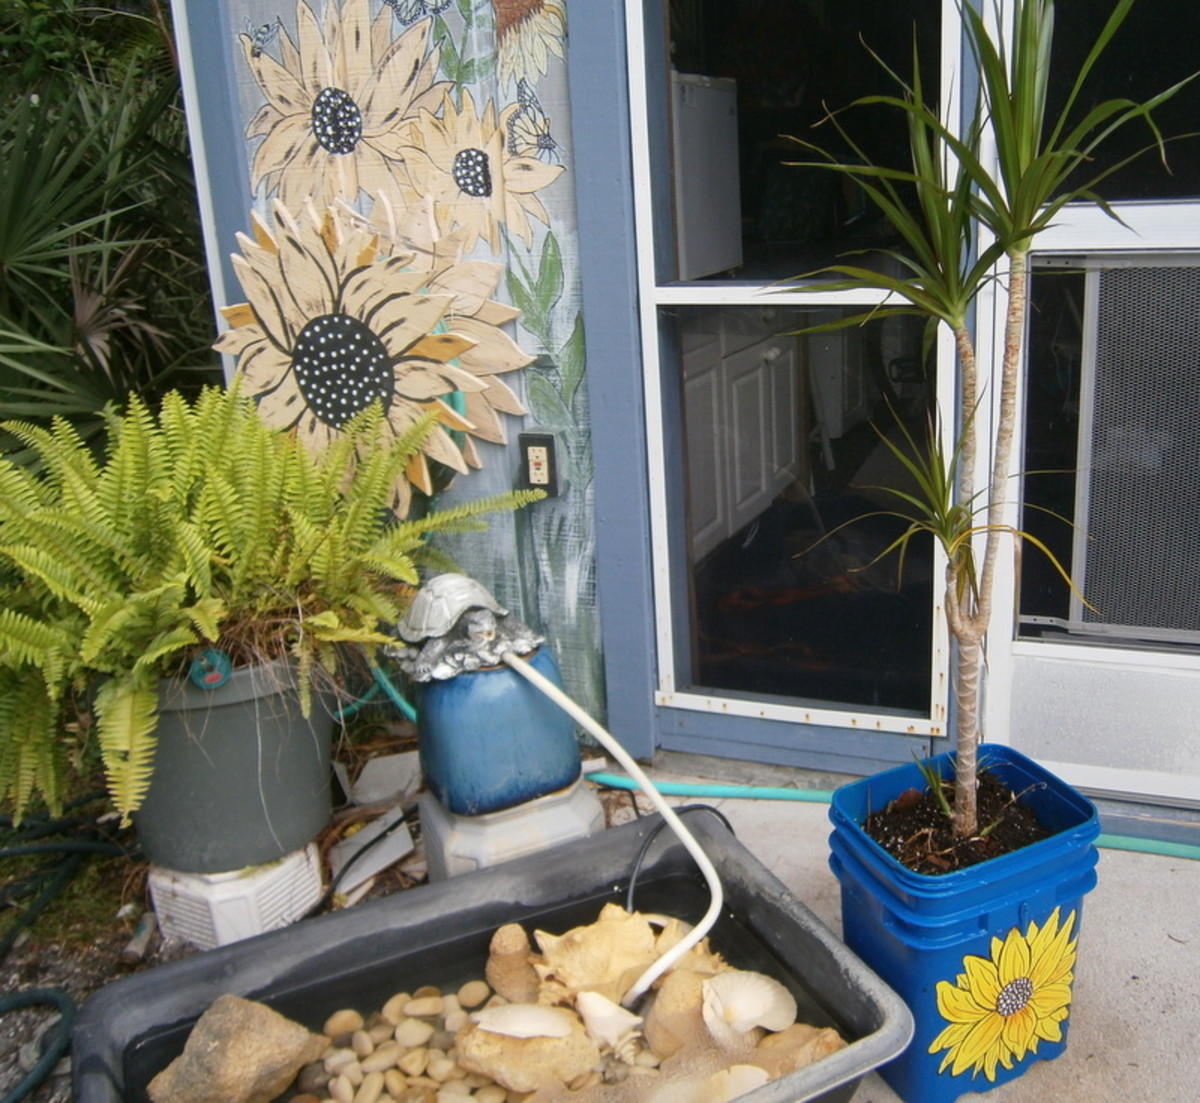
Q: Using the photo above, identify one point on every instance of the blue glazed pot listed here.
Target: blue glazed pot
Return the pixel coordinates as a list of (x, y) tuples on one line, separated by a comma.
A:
[(489, 740), (987, 947)]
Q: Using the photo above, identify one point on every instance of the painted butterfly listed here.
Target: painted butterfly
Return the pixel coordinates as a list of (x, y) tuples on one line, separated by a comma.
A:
[(529, 128), (409, 11)]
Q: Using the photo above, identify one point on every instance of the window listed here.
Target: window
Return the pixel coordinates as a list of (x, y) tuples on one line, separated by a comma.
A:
[(1157, 46), (1110, 453), (772, 508)]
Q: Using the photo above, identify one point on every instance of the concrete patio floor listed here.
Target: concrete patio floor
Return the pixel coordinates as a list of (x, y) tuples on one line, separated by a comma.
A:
[(1135, 1020)]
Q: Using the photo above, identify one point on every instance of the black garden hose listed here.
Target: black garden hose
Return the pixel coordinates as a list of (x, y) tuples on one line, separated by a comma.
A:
[(58, 1044), (67, 843), (77, 839), (640, 859)]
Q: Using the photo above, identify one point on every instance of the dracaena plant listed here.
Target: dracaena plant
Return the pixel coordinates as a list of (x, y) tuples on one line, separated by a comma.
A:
[(198, 527), (967, 213)]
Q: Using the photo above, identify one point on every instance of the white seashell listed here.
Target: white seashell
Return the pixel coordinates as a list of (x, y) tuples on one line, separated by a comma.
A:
[(607, 1023), (734, 1082), (525, 1020), (737, 1001)]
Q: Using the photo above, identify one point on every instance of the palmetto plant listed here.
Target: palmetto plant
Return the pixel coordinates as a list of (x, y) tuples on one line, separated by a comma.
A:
[(103, 285), (199, 527), (966, 214)]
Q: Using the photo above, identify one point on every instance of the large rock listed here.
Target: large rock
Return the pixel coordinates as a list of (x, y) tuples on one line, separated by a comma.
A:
[(239, 1051), (527, 1064)]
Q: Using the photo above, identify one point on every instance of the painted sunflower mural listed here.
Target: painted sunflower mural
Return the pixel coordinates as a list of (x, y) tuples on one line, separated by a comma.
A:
[(331, 325), (476, 178), (1002, 1006), (338, 103), (401, 168), (528, 34), (356, 119)]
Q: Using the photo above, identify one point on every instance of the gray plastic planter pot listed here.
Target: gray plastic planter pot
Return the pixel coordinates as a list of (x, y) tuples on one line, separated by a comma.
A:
[(241, 777), (439, 934)]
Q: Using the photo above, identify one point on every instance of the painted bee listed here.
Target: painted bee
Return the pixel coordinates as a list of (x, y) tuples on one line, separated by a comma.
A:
[(262, 36)]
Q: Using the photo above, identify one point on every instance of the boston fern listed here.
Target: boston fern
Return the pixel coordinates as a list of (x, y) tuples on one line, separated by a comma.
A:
[(199, 527)]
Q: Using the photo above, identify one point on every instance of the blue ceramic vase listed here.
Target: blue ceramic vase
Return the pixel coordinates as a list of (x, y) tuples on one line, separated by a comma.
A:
[(489, 740)]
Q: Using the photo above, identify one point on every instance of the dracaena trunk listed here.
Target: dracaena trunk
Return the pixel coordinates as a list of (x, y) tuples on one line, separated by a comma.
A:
[(969, 611)]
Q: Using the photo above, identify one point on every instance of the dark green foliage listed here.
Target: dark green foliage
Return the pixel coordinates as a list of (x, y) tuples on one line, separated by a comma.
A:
[(103, 285)]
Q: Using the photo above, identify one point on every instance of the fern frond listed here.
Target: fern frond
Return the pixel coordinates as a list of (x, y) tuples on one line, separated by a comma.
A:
[(195, 556), (123, 628), (400, 567), (126, 716), (206, 616), (28, 642), (166, 644), (465, 516), (129, 475), (61, 578), (30, 759), (20, 493)]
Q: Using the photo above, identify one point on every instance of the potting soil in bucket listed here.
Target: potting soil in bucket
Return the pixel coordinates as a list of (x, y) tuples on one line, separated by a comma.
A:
[(489, 740), (985, 956)]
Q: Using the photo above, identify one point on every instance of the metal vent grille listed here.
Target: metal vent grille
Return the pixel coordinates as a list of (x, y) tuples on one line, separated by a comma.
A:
[(1141, 458)]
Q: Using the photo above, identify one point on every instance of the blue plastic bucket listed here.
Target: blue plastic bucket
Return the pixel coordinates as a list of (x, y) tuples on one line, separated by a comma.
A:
[(489, 740), (984, 957)]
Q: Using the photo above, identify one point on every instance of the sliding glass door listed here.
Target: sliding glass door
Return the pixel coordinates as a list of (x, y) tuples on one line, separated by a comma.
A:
[(773, 464)]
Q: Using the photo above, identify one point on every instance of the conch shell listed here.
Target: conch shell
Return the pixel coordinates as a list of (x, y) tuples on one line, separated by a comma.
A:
[(605, 957), (699, 959), (675, 1020), (608, 1024)]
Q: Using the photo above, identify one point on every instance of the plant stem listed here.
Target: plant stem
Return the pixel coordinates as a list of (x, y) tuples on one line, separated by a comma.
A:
[(1010, 371), (966, 690), (969, 610)]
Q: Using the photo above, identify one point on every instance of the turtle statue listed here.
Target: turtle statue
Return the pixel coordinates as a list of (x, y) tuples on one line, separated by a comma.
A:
[(455, 625)]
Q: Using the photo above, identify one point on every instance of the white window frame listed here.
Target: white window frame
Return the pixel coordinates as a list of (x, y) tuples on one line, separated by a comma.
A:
[(652, 297)]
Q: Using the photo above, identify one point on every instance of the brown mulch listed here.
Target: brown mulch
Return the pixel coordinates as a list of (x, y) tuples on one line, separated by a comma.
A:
[(916, 831)]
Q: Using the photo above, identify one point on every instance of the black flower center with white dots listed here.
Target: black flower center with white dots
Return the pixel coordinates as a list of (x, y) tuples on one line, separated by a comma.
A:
[(1014, 996), (472, 173), (336, 121), (341, 368)]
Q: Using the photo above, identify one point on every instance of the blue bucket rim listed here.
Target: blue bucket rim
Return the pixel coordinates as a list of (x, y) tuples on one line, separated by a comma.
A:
[(1070, 838)]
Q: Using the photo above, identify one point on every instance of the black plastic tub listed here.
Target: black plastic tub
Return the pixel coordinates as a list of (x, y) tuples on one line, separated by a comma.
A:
[(439, 934)]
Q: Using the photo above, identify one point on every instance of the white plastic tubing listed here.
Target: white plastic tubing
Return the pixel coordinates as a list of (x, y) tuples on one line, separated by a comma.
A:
[(642, 984)]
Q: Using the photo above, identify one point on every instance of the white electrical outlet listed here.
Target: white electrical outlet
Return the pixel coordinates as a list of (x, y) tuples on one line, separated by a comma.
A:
[(539, 466)]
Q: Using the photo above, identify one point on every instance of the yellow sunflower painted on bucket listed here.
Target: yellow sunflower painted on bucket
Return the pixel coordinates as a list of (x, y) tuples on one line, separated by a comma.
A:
[(1002, 1006)]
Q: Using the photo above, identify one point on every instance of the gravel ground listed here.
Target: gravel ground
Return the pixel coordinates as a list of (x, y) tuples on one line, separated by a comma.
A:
[(79, 971)]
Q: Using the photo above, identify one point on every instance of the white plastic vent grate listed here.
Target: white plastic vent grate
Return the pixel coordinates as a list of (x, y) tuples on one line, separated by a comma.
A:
[(1141, 461)]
